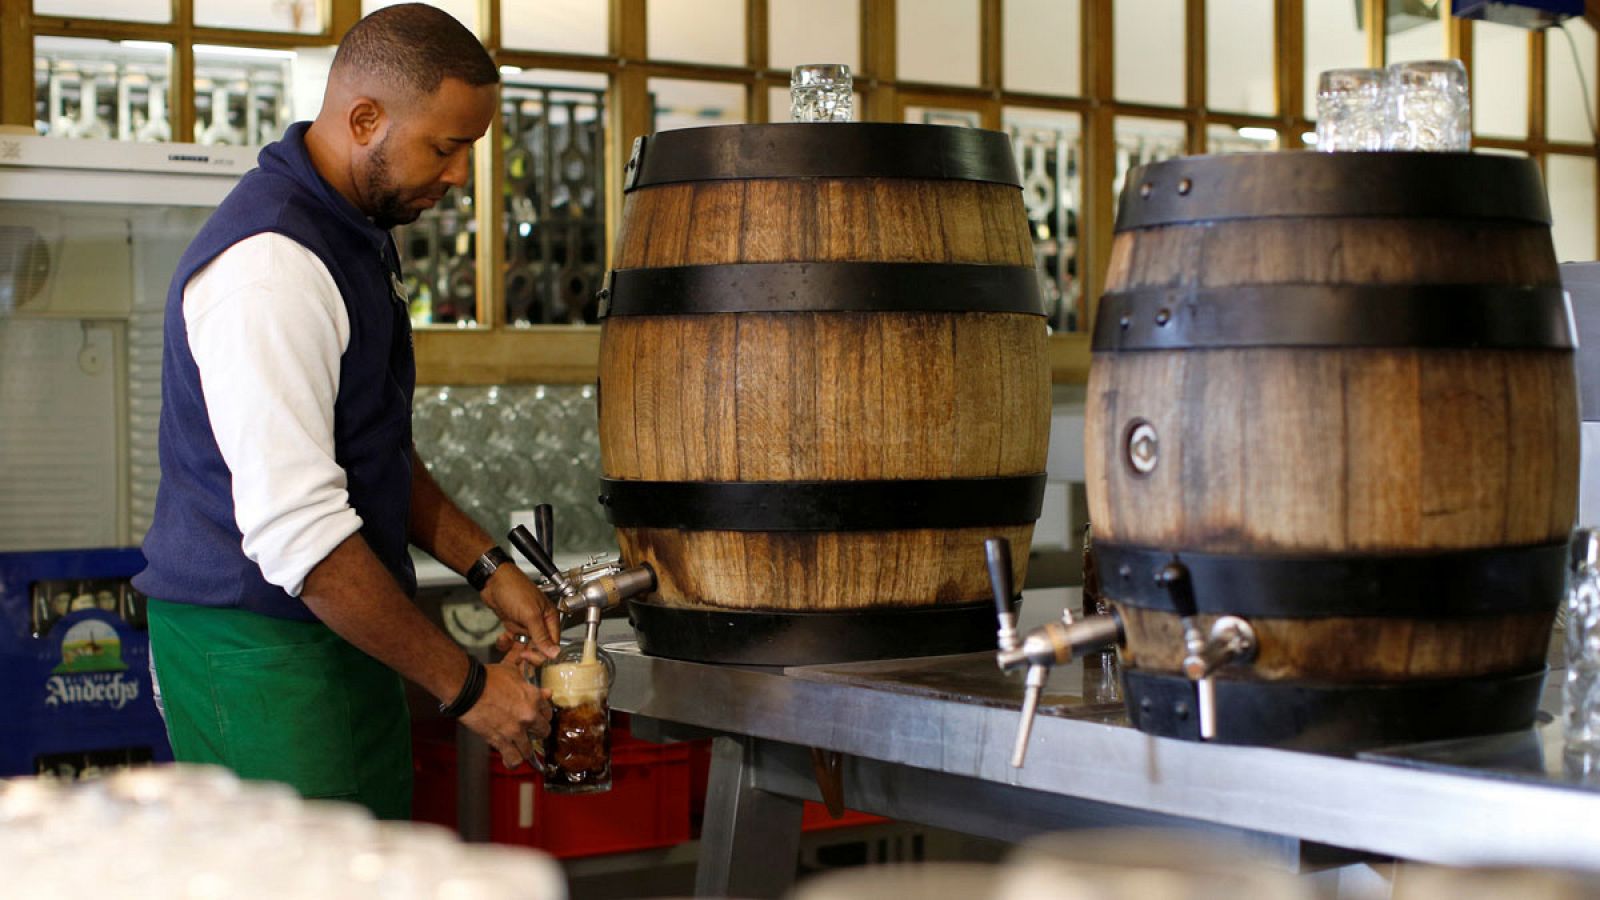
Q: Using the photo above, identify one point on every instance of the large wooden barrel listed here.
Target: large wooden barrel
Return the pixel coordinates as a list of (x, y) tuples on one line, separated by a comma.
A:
[(1339, 389), (823, 383)]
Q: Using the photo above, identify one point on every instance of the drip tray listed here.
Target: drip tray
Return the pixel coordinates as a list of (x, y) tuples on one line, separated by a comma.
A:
[(1072, 691)]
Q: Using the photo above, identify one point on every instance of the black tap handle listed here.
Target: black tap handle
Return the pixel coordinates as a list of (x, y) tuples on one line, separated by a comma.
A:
[(1174, 576), (523, 540), (544, 527), (998, 552)]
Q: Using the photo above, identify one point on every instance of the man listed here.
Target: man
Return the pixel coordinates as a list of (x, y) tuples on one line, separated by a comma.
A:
[(290, 487)]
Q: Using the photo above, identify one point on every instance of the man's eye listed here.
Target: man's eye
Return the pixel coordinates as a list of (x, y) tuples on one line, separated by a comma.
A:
[(442, 153)]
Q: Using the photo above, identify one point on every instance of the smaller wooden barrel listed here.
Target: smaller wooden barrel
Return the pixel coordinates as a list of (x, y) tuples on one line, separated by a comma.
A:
[(823, 384), (1338, 388)]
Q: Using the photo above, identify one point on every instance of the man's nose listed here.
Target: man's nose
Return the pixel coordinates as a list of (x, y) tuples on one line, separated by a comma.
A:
[(460, 168)]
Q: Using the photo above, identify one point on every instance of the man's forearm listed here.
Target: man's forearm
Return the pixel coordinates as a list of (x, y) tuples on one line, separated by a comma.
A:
[(439, 527), (353, 594)]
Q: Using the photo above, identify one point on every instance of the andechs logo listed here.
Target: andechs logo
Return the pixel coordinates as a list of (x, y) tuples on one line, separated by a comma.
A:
[(96, 689), (91, 646)]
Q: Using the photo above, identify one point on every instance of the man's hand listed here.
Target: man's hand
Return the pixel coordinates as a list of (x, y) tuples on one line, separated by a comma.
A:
[(524, 609), (512, 715)]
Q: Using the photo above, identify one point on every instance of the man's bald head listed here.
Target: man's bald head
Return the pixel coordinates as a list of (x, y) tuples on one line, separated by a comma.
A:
[(407, 51)]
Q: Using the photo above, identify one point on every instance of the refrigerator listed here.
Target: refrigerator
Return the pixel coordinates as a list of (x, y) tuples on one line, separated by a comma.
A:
[(90, 232)]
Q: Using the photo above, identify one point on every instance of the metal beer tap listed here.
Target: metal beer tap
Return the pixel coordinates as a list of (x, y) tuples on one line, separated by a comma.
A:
[(1230, 639), (1042, 648), (591, 588)]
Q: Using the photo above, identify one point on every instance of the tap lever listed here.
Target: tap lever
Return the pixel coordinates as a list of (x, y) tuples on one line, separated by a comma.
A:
[(1174, 576), (997, 551), (544, 528), (524, 541)]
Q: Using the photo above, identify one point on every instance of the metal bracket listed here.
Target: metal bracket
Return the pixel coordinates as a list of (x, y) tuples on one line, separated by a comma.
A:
[(630, 172)]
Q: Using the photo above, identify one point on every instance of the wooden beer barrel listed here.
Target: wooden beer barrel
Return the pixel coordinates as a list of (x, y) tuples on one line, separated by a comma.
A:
[(823, 383), (1340, 390)]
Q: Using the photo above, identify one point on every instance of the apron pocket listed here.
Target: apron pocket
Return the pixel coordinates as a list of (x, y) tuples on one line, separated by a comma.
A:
[(284, 713)]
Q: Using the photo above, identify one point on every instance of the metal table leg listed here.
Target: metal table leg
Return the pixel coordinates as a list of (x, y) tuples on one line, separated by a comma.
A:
[(750, 841)]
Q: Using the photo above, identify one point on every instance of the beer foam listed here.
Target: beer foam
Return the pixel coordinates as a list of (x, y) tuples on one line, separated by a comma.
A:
[(574, 684)]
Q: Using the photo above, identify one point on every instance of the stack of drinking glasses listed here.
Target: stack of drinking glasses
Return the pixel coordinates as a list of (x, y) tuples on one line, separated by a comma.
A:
[(200, 832), (1419, 105)]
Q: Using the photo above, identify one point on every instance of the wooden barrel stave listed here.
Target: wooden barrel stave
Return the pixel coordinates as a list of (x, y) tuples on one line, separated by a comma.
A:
[(824, 220), (1361, 648), (756, 398), (861, 569), (1336, 451)]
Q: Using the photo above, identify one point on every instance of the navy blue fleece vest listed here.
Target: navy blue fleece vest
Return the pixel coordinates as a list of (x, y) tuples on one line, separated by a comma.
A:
[(194, 548)]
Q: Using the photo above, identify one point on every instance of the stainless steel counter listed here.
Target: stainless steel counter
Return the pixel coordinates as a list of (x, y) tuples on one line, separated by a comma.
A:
[(929, 741)]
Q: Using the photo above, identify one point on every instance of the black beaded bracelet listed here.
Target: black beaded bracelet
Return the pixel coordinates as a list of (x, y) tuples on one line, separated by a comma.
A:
[(471, 690)]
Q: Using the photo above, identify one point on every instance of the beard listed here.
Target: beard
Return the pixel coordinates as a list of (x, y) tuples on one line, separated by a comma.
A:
[(390, 207)]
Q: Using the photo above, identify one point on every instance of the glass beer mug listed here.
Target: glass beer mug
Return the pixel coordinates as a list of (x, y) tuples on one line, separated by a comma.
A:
[(577, 752)]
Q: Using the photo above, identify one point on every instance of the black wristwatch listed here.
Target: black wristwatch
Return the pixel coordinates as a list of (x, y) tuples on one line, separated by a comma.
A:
[(492, 559)]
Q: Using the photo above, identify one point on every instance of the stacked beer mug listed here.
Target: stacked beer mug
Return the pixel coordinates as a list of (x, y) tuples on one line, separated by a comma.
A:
[(1422, 105), (199, 831)]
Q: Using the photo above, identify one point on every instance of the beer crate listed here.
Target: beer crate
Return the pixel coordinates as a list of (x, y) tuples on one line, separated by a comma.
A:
[(75, 662), (646, 808)]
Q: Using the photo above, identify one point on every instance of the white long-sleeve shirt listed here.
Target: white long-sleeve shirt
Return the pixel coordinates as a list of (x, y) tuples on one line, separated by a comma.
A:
[(267, 328)]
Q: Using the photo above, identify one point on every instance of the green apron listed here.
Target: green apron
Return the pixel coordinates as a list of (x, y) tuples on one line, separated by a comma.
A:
[(282, 700)]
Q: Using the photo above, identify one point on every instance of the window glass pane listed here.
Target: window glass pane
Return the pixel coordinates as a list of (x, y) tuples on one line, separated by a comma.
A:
[(300, 16), (101, 89), (704, 31), (1150, 51), (1413, 31), (1570, 182), (554, 195), (439, 259), (1564, 115), (813, 31), (125, 11), (1239, 60), (1333, 40), (465, 11), (1042, 46), (563, 26), (1499, 80), (1049, 149), (1141, 141), (308, 77), (241, 95), (937, 41), (1249, 139), (680, 103)]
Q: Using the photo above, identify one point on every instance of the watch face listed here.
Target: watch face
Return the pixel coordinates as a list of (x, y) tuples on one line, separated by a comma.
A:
[(471, 624)]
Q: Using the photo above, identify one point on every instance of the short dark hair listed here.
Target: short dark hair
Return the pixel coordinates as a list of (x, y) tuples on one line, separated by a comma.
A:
[(417, 46)]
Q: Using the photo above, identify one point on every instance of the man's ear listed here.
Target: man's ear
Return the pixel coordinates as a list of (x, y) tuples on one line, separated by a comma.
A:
[(367, 120)]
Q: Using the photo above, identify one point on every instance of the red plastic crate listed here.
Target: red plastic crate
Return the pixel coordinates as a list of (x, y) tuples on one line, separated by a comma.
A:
[(647, 806), (433, 794)]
